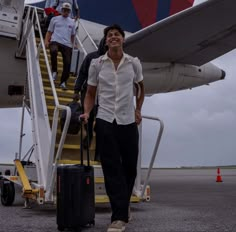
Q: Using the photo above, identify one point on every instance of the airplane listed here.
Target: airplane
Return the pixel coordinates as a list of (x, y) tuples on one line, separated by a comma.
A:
[(175, 51), (174, 41)]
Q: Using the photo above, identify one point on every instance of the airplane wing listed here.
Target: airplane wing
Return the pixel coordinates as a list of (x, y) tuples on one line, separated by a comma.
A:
[(193, 36)]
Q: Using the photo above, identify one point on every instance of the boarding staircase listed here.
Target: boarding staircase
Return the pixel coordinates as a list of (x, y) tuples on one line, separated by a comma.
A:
[(70, 153), (45, 101), (66, 152)]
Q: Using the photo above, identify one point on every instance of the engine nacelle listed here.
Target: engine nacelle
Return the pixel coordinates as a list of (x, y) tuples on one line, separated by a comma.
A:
[(168, 77)]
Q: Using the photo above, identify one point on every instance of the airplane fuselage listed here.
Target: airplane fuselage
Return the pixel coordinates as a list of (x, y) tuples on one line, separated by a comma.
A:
[(158, 77)]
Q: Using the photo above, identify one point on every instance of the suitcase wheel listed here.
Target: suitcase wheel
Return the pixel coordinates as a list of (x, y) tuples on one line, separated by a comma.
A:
[(92, 223), (77, 229), (60, 228)]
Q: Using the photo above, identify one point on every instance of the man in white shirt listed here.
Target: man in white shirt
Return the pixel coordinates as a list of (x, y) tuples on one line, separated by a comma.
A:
[(60, 37), (112, 78)]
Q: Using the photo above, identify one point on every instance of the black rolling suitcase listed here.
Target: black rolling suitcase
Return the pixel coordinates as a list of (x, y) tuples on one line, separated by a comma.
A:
[(75, 195)]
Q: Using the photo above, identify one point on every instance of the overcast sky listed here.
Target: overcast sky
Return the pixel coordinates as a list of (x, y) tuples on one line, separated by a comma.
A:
[(200, 124)]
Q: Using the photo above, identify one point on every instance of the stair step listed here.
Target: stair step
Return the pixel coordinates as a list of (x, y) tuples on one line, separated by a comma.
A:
[(99, 180), (101, 199), (70, 146), (60, 92), (61, 99), (51, 118), (105, 199), (43, 67), (48, 53), (70, 82), (75, 146), (72, 162), (50, 107), (42, 61)]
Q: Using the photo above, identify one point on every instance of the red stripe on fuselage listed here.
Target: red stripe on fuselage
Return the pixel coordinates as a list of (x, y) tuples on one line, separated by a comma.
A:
[(179, 5), (146, 11)]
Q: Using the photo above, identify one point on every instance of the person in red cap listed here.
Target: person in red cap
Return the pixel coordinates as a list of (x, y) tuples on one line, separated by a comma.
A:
[(57, 4)]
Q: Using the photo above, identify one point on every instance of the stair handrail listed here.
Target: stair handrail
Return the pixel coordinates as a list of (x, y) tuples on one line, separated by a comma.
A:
[(51, 176), (77, 40), (28, 23), (81, 45), (88, 35), (154, 154)]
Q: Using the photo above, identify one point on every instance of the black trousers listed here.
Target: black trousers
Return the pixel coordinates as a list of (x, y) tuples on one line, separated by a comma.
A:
[(118, 147), (66, 53)]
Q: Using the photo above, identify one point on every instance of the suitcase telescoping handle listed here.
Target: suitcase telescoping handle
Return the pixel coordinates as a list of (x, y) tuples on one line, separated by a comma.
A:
[(81, 143)]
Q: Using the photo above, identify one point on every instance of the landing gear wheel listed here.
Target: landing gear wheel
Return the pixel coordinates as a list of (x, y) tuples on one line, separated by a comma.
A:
[(7, 194)]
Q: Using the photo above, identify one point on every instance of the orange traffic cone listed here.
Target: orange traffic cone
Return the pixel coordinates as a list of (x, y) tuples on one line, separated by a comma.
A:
[(218, 177)]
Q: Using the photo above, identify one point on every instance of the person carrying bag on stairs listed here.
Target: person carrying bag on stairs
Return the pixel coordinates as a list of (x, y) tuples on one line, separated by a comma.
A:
[(81, 86)]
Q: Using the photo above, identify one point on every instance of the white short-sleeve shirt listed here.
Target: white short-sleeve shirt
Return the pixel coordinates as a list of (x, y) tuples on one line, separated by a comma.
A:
[(62, 29), (115, 87)]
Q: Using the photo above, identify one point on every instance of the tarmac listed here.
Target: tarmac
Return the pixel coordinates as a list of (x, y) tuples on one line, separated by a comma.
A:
[(182, 200)]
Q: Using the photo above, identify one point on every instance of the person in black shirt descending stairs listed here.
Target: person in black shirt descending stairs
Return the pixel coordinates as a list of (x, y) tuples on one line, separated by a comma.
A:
[(81, 86)]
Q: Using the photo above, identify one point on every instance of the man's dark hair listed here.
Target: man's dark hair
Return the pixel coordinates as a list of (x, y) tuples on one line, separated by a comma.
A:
[(114, 27)]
